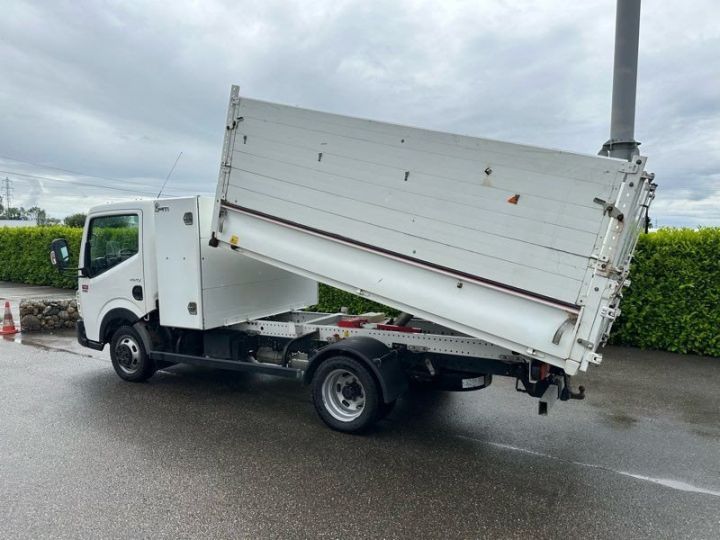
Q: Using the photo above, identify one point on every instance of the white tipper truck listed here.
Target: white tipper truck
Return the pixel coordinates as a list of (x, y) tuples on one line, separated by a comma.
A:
[(502, 259)]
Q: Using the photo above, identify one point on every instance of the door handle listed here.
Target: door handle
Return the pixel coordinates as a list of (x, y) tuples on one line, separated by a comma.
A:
[(137, 292)]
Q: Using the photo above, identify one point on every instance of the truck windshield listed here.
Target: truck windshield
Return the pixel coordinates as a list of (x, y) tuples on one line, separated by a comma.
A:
[(111, 240)]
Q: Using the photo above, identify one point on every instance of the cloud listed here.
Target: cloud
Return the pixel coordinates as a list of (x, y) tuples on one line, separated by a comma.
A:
[(117, 89)]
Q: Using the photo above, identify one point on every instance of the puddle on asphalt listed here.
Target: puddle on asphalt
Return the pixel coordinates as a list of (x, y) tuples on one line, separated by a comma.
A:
[(24, 340), (64, 341), (620, 420)]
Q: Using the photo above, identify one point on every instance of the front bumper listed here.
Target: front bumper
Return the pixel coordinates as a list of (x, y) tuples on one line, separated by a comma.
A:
[(83, 340)]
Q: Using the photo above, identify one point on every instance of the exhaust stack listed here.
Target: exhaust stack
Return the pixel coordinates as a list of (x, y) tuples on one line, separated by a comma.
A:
[(622, 143)]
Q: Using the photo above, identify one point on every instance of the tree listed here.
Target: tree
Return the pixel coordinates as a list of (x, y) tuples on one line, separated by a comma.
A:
[(38, 215), (15, 213), (75, 220)]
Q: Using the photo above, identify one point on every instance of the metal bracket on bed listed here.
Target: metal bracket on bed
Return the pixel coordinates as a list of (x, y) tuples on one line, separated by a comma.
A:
[(566, 324), (610, 209)]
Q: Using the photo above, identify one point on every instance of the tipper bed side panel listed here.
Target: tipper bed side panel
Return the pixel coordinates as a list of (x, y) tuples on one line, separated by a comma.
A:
[(516, 215)]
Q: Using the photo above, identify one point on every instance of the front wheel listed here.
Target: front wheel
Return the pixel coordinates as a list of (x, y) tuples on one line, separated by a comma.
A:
[(346, 395), (129, 357)]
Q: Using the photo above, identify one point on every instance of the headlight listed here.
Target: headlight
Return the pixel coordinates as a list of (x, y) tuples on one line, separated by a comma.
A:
[(77, 303)]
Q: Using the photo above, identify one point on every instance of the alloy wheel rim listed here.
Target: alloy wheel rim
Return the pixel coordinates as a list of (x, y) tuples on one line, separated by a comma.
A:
[(343, 395)]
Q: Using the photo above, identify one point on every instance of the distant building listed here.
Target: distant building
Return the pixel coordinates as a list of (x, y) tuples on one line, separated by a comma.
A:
[(17, 223)]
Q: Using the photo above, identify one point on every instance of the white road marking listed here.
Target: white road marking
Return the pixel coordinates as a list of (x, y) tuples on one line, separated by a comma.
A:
[(673, 484)]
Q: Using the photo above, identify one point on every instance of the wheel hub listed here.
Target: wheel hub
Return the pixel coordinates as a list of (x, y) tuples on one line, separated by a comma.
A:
[(351, 390), (124, 355), (343, 395), (127, 353)]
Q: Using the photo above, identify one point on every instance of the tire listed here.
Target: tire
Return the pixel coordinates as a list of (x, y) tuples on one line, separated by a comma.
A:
[(346, 395), (129, 357)]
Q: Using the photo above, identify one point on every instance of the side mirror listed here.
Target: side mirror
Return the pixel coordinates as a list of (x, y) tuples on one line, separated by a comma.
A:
[(59, 254)]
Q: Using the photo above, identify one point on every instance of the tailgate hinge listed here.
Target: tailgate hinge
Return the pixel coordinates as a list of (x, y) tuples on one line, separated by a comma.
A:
[(610, 209), (609, 313)]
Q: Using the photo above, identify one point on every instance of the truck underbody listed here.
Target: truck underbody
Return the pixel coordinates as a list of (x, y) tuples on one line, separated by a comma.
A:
[(294, 344)]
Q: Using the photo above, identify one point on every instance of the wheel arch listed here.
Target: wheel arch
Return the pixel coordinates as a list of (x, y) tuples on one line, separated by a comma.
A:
[(114, 319), (382, 361)]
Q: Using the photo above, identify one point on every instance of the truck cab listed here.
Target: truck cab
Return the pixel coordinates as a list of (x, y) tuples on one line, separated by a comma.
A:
[(118, 278)]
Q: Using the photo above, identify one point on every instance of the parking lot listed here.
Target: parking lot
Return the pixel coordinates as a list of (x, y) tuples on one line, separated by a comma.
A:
[(195, 452)]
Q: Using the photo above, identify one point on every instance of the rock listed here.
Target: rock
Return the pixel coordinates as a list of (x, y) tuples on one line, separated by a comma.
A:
[(30, 323), (48, 315)]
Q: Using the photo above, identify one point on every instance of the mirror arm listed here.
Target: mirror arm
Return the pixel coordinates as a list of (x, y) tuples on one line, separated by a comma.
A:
[(82, 270)]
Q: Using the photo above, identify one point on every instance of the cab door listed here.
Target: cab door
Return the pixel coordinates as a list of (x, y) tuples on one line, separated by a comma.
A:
[(113, 261)]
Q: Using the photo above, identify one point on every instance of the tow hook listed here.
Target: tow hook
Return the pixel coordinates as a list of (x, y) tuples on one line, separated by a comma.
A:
[(559, 389)]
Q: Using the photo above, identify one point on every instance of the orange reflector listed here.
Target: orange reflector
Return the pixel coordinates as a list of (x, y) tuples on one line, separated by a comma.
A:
[(544, 370)]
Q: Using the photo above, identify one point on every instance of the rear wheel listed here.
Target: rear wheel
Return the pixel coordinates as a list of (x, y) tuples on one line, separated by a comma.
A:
[(129, 357), (346, 395)]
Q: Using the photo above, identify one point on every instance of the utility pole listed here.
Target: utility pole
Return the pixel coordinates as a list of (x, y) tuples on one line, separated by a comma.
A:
[(622, 143), (7, 186)]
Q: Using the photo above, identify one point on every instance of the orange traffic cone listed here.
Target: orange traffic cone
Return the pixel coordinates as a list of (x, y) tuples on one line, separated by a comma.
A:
[(8, 326)]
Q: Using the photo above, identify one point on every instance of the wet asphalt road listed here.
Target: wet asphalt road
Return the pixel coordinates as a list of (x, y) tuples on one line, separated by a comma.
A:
[(199, 453)]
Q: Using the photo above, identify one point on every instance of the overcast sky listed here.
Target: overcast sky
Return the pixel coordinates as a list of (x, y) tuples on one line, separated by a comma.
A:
[(108, 93)]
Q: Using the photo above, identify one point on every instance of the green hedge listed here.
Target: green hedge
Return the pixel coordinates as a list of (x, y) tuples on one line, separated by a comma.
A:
[(672, 304), (331, 300), (25, 255)]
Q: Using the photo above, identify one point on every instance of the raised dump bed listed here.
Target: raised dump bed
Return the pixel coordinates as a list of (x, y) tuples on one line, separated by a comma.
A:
[(526, 248)]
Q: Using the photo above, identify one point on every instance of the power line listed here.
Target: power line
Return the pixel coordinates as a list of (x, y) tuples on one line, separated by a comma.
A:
[(92, 185), (39, 165), (76, 183)]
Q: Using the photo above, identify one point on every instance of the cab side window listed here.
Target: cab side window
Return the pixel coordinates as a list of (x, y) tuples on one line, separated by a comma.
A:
[(111, 241)]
